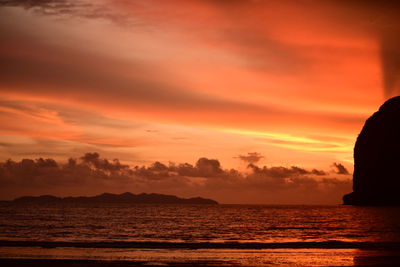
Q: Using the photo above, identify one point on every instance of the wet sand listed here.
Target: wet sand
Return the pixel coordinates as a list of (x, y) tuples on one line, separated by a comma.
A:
[(377, 259), (76, 257), (102, 263)]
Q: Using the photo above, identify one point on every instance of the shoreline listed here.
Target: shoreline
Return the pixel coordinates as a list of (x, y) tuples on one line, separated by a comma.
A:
[(114, 257), (274, 257), (109, 263), (205, 245)]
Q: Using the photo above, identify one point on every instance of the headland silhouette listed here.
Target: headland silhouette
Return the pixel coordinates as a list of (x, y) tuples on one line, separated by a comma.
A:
[(116, 198), (376, 178)]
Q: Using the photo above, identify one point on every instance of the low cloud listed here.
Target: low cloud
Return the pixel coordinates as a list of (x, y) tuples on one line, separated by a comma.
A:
[(282, 172), (251, 157), (92, 174), (340, 169)]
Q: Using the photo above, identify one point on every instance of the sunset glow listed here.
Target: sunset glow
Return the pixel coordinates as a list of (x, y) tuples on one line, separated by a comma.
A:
[(174, 81)]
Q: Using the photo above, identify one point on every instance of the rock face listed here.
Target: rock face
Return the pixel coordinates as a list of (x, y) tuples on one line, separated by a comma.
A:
[(376, 178)]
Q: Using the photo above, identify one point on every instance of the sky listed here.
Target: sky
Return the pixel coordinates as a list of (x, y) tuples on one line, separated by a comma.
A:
[(268, 83)]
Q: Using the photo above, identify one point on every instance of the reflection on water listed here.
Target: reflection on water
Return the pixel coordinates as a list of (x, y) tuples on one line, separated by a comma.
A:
[(228, 224), (222, 223), (300, 257), (263, 257), (376, 258)]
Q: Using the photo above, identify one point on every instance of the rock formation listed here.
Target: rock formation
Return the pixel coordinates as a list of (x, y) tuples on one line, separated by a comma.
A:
[(376, 178)]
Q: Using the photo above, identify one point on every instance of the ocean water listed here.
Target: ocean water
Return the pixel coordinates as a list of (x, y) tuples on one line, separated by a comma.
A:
[(122, 231), (198, 223)]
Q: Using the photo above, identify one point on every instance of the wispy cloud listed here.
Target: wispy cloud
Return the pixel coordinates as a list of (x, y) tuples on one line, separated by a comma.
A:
[(268, 76)]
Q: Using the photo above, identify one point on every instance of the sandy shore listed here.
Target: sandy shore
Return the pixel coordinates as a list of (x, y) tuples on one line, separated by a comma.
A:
[(292, 257), (102, 263), (117, 256), (360, 261)]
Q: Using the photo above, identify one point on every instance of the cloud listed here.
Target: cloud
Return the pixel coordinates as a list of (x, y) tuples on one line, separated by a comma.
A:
[(377, 19), (390, 54), (380, 20), (85, 77), (251, 157), (284, 172), (208, 64), (340, 169), (92, 174), (93, 160), (63, 8), (256, 38), (204, 168), (123, 77), (208, 167)]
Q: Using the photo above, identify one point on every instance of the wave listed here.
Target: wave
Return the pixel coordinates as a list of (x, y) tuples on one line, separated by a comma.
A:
[(205, 245)]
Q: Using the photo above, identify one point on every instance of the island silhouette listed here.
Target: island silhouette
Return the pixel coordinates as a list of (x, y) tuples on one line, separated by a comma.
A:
[(116, 198), (376, 178)]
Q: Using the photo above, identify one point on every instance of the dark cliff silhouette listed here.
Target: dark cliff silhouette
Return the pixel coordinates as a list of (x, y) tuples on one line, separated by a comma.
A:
[(376, 178), (114, 198)]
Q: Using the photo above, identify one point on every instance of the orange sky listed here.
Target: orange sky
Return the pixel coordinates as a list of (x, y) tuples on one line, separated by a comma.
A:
[(146, 81)]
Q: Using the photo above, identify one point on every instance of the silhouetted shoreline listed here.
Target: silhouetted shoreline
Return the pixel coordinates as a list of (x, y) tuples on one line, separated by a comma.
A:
[(116, 198)]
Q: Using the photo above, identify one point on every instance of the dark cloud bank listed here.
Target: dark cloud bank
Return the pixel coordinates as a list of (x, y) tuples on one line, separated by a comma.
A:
[(91, 174)]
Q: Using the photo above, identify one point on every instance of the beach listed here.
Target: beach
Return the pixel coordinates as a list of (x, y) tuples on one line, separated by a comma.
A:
[(168, 257), (198, 235)]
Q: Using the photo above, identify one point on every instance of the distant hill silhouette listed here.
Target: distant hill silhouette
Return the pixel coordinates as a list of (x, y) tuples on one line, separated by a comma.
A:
[(115, 198), (376, 178)]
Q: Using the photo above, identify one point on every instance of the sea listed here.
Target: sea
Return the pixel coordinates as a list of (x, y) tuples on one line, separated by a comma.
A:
[(237, 235)]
